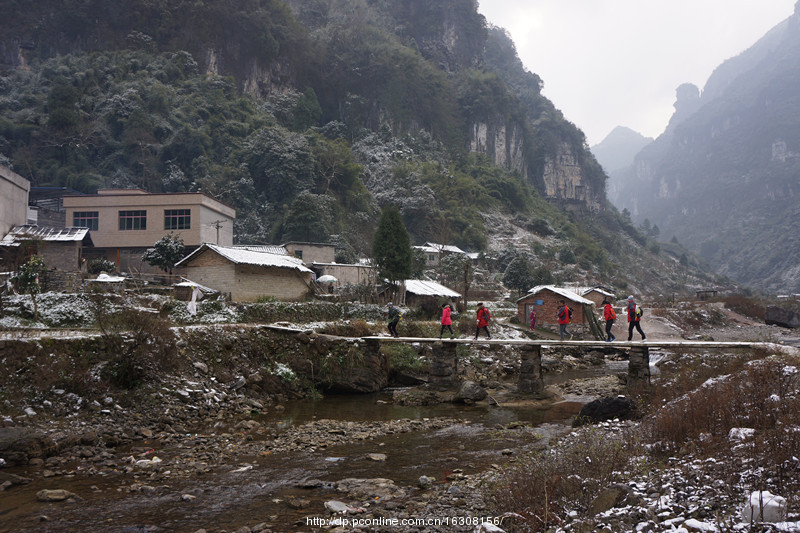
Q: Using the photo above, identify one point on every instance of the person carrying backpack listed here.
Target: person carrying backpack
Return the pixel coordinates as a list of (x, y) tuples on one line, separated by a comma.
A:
[(564, 313), (609, 315), (483, 317), (634, 316)]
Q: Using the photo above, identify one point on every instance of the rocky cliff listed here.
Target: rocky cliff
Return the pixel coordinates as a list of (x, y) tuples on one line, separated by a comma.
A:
[(723, 176)]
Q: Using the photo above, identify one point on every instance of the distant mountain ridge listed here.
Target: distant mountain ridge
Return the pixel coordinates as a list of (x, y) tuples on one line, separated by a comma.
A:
[(723, 177), (615, 154)]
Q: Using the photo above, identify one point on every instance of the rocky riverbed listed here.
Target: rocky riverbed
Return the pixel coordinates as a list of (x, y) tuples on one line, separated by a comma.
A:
[(192, 454)]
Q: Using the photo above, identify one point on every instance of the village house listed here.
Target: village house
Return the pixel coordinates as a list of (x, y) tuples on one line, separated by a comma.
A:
[(596, 294), (434, 253), (124, 223), (14, 190), (427, 294), (60, 248), (312, 252), (545, 300), (245, 274)]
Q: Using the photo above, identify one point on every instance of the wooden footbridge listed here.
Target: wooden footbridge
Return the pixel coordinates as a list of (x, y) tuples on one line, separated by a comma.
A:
[(444, 366)]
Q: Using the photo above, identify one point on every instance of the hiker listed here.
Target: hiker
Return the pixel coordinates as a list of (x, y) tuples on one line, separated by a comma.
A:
[(533, 319), (634, 316), (483, 315), (609, 315), (394, 318), (446, 321), (563, 319)]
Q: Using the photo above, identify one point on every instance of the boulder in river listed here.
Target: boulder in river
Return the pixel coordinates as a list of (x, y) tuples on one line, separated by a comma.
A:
[(619, 407)]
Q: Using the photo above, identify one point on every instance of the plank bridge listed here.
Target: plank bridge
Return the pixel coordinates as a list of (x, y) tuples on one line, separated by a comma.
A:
[(444, 366)]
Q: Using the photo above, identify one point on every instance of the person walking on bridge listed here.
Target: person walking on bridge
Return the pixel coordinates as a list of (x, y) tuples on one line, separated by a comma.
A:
[(634, 317), (609, 315), (563, 319), (394, 318), (446, 321), (483, 317)]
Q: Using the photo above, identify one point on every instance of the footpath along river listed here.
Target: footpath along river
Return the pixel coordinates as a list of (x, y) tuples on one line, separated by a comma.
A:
[(235, 483)]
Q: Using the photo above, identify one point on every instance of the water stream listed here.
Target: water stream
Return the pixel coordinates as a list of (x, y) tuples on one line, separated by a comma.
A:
[(227, 499)]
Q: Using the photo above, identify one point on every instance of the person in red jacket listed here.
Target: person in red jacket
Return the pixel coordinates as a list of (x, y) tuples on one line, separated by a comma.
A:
[(609, 315), (633, 319), (446, 321), (483, 317), (563, 319)]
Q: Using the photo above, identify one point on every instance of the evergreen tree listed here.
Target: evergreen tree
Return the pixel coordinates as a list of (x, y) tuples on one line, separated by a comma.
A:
[(27, 280), (518, 274), (165, 253), (391, 247)]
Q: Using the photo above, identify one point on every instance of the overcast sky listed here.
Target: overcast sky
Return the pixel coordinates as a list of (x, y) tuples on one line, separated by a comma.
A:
[(608, 63)]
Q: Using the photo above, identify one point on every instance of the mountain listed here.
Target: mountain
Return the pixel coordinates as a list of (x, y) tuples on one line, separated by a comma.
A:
[(309, 117), (615, 154), (723, 177)]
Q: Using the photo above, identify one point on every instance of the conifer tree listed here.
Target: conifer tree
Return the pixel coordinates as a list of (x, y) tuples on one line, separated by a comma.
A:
[(391, 247)]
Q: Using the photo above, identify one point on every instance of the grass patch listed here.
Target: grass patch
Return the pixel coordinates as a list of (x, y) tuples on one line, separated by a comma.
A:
[(404, 359)]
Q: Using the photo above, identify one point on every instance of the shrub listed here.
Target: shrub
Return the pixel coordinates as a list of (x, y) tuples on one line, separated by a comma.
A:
[(542, 488), (403, 358), (745, 306), (100, 264)]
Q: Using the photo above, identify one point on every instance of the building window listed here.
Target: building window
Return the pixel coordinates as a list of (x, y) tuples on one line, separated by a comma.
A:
[(129, 220), (298, 254), (85, 219), (177, 218)]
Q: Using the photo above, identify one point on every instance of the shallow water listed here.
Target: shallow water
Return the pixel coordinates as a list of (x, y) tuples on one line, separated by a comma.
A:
[(226, 499)]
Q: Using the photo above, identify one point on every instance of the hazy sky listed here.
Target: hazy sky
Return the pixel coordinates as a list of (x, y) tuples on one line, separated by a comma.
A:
[(608, 63)]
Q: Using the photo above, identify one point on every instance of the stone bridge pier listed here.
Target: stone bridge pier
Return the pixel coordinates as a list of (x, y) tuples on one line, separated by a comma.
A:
[(530, 370), (444, 365)]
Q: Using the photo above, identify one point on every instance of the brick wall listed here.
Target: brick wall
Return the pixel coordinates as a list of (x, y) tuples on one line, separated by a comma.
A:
[(247, 283), (547, 313)]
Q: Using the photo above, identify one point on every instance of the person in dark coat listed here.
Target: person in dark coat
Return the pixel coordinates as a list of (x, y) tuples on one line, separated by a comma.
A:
[(394, 318)]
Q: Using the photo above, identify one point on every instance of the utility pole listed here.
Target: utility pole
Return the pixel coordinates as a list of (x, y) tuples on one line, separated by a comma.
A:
[(217, 224)]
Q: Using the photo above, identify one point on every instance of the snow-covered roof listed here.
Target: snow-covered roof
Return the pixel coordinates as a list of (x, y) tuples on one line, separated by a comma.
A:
[(268, 248), (432, 247), (429, 288), (568, 294), (190, 283), (44, 233), (244, 256), (583, 291), (106, 278)]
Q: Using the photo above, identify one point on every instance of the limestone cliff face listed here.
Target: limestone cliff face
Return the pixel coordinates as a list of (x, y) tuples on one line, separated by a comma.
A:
[(502, 142), (565, 180)]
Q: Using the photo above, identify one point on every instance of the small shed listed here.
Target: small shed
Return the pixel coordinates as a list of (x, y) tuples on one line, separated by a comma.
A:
[(185, 289), (61, 248), (428, 294), (246, 275), (597, 295), (347, 274), (545, 299)]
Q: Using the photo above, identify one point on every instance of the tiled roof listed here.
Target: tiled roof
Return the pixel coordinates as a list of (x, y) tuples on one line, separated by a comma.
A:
[(244, 256), (568, 294), (44, 233), (429, 288)]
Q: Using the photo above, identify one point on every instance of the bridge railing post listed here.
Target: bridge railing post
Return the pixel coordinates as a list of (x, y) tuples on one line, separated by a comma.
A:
[(530, 370), (444, 365)]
